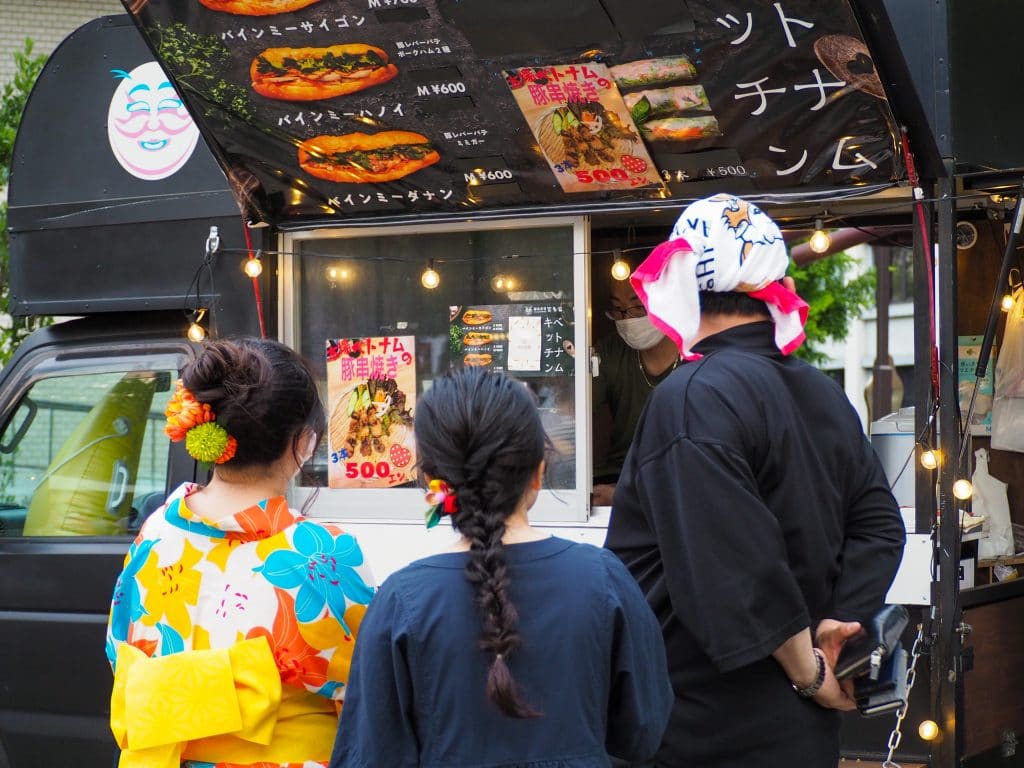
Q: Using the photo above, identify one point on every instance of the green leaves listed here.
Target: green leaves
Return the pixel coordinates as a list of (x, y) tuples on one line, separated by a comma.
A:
[(641, 110), (836, 296)]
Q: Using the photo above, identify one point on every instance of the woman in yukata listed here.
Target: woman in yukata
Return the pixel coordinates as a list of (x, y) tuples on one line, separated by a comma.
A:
[(233, 622), (515, 648)]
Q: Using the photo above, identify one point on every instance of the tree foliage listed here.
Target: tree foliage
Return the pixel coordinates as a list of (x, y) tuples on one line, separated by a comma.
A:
[(13, 97), (836, 295)]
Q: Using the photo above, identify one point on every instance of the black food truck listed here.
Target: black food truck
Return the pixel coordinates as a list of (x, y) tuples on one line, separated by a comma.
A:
[(400, 187)]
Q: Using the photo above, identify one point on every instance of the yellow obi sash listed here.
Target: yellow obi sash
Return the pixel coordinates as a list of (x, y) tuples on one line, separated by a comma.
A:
[(222, 705)]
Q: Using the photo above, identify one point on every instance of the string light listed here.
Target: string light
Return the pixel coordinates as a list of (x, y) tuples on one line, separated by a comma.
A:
[(963, 489), (820, 240), (430, 279), (334, 274), (1007, 303), (928, 730), (196, 333), (499, 282), (620, 267), (253, 267), (930, 459)]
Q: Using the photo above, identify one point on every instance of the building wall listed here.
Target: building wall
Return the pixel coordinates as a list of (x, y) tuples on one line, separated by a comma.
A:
[(47, 22)]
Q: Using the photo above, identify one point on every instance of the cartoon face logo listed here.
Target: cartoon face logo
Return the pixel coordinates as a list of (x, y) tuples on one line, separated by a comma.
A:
[(749, 225), (151, 134)]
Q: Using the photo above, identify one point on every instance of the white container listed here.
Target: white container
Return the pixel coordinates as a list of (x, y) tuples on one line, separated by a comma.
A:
[(893, 439)]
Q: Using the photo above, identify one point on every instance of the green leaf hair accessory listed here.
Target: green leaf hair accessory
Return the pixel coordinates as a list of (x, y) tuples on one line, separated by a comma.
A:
[(210, 443)]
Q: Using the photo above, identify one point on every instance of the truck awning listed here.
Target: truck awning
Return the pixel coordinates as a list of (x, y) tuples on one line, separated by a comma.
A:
[(322, 113)]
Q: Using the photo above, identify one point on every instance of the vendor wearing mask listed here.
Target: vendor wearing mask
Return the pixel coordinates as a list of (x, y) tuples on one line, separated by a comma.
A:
[(634, 360)]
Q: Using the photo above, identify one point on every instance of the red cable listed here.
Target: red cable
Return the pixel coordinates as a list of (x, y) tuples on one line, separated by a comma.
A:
[(255, 284), (929, 267)]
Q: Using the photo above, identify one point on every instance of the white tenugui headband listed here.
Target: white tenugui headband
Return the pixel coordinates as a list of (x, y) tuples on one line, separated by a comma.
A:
[(721, 243)]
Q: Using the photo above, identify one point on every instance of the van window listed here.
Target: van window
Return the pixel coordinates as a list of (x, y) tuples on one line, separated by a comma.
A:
[(85, 455)]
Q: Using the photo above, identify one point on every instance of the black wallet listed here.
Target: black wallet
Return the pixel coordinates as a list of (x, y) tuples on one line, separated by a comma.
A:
[(887, 692), (866, 653)]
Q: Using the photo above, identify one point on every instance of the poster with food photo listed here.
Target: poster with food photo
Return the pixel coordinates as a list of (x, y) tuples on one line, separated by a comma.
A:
[(529, 339), (371, 392), (583, 127)]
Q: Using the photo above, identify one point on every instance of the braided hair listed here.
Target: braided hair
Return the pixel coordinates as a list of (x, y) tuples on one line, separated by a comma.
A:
[(481, 433)]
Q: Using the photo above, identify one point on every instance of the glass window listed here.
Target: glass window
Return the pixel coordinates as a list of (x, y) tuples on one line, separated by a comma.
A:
[(382, 313), (85, 455)]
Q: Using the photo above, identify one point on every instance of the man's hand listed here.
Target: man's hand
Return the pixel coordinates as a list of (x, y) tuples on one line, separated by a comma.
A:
[(602, 495), (831, 635), (835, 695)]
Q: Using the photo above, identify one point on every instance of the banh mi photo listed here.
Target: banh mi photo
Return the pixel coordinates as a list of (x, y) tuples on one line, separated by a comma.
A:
[(635, 74), (480, 359), (307, 74), (644, 105), (256, 7), (476, 317), (476, 338), (680, 128), (360, 158)]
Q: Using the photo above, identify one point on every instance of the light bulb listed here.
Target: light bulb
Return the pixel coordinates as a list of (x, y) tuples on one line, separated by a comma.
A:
[(333, 273), (820, 241), (621, 269), (511, 284), (1007, 303), (253, 267), (963, 489), (928, 730), (498, 282), (196, 333), (430, 278), (930, 459)]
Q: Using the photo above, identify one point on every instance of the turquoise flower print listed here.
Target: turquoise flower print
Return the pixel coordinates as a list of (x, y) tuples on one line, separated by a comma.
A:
[(126, 605), (322, 566), (173, 516)]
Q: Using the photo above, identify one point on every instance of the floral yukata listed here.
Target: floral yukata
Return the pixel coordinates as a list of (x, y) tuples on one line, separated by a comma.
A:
[(231, 640)]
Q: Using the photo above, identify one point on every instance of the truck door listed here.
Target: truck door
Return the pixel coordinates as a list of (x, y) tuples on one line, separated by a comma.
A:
[(83, 461)]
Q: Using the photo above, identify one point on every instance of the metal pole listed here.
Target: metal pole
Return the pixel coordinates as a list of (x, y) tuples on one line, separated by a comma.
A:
[(946, 651), (882, 374)]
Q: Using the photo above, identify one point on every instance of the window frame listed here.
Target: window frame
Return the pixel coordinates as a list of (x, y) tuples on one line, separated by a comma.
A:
[(407, 504)]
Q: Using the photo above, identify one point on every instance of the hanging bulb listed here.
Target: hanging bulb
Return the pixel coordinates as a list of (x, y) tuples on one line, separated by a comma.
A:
[(928, 730), (334, 274), (498, 282), (1007, 303), (253, 267), (821, 240), (963, 489), (430, 279), (930, 459), (621, 269), (196, 333), (510, 283)]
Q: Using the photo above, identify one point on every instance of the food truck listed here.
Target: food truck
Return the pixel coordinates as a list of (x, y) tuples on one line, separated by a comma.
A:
[(397, 188)]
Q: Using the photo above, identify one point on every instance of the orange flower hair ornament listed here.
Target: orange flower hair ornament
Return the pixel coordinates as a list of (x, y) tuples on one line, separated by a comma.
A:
[(441, 499), (194, 422)]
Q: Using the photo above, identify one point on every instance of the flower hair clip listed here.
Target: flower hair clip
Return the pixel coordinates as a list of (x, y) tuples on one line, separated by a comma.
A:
[(441, 499), (195, 423)]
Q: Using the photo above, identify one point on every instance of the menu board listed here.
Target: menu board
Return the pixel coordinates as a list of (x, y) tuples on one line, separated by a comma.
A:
[(371, 392), (336, 110), (534, 339)]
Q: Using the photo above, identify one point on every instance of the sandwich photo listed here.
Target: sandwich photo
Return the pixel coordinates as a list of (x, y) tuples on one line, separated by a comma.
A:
[(308, 74), (680, 128), (662, 102), (256, 7), (479, 359), (476, 317), (476, 338), (360, 158)]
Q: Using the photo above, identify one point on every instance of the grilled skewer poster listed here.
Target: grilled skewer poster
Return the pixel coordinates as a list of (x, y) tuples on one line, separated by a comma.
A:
[(583, 127), (371, 391)]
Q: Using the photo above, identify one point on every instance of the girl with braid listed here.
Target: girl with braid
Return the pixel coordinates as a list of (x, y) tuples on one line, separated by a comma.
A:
[(515, 648)]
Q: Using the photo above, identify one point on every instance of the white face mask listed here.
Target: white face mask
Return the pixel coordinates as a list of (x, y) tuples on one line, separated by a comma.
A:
[(638, 332)]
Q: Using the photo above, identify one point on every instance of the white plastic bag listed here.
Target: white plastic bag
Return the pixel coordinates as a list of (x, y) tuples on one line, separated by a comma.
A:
[(990, 500), (1008, 406)]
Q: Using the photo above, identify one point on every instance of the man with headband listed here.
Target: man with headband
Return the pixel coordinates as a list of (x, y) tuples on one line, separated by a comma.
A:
[(751, 508)]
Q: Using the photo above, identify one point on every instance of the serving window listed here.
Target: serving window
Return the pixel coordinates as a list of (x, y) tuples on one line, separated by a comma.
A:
[(382, 312)]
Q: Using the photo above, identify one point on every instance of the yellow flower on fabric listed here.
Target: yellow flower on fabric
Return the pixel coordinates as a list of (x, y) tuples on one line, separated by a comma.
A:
[(170, 589), (221, 551), (272, 544)]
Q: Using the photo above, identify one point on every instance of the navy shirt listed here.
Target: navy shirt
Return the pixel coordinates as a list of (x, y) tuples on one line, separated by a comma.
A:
[(750, 507), (592, 661)]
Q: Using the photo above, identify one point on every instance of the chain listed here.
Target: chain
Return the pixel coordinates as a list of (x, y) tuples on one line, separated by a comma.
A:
[(897, 734)]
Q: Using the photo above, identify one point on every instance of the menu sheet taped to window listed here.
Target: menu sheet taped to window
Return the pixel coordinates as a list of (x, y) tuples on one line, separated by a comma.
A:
[(334, 110), (371, 394), (530, 339)]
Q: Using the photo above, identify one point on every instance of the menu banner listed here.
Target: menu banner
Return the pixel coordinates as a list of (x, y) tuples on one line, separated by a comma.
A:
[(337, 110), (521, 339), (371, 392)]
